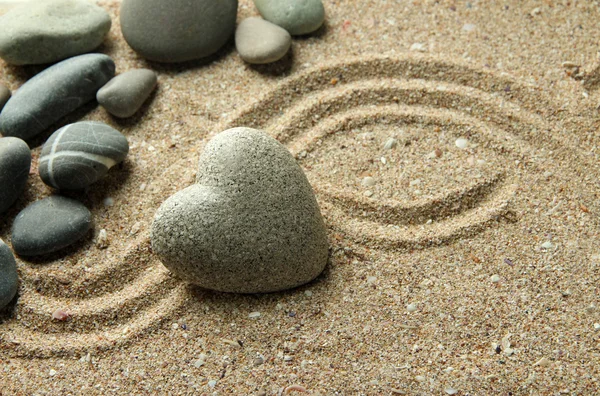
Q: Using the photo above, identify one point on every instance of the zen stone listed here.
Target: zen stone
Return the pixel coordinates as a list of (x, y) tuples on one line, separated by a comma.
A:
[(250, 224), (9, 280), (15, 161), (124, 95), (54, 93), (80, 154), (296, 16), (259, 41), (4, 96), (51, 30), (177, 30), (49, 225)]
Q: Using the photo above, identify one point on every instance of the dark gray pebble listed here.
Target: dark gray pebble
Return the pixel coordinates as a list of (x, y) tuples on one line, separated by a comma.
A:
[(54, 93), (124, 95), (49, 225), (15, 162), (79, 154), (9, 280)]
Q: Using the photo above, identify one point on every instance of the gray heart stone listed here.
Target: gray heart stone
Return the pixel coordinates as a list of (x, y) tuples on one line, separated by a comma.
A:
[(177, 30), (49, 225), (79, 154), (51, 30), (54, 93), (9, 280), (15, 162), (250, 224)]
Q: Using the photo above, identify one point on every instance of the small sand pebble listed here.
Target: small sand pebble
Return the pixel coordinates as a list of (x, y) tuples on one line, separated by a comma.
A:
[(411, 308), (368, 193), (295, 388), (212, 383), (547, 245), (253, 315), (108, 202), (52, 373), (543, 362), (390, 144), (368, 181), (461, 143), (102, 240), (60, 314), (495, 278), (596, 326), (451, 391)]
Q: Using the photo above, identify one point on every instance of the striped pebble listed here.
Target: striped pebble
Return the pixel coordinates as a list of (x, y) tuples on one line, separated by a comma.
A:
[(80, 154)]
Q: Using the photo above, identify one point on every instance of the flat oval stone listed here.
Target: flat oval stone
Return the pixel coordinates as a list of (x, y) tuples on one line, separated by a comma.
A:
[(124, 95), (51, 30), (15, 162), (259, 41), (250, 224), (54, 93), (4, 96), (80, 154), (9, 279), (49, 225), (296, 16), (177, 30)]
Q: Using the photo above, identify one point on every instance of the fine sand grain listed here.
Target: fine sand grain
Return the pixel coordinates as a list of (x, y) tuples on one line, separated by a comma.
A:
[(467, 264)]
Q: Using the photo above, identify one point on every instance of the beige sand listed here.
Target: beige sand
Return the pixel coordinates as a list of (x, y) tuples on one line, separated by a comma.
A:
[(437, 225)]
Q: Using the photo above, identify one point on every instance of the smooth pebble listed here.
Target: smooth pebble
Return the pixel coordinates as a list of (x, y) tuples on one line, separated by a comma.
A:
[(15, 162), (547, 245), (411, 308), (124, 94), (47, 31), (250, 224), (495, 278), (4, 96), (49, 225), (461, 143), (54, 93), (9, 280), (390, 144), (80, 154), (296, 16), (259, 41), (177, 30), (368, 182)]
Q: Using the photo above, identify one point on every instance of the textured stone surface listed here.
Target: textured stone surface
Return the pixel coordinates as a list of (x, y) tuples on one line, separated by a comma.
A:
[(124, 95), (250, 224), (49, 225), (177, 30), (54, 93), (4, 96), (295, 16), (15, 161), (9, 280), (51, 30), (259, 41), (79, 154)]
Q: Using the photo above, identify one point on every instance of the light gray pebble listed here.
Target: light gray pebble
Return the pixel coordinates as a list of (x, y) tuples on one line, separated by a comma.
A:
[(9, 280), (179, 30), (4, 96), (49, 225), (124, 95), (259, 41), (79, 154), (54, 93), (15, 162), (51, 30), (250, 224), (390, 144), (296, 16)]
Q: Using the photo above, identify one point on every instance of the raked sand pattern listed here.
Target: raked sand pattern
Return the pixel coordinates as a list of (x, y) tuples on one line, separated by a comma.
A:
[(453, 270)]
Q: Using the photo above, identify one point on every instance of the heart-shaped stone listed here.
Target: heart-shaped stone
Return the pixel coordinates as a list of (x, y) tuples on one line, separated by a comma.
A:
[(251, 222)]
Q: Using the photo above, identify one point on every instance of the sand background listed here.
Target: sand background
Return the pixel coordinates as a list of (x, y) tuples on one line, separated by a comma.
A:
[(432, 231)]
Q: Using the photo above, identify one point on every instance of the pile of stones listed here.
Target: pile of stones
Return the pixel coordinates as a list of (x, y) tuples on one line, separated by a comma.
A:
[(62, 33)]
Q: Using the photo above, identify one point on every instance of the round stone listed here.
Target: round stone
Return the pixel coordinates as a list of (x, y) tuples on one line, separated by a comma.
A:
[(124, 95), (9, 280), (15, 161), (177, 30), (250, 224), (49, 225), (4, 96), (296, 16), (51, 30), (80, 154), (259, 41), (54, 93)]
